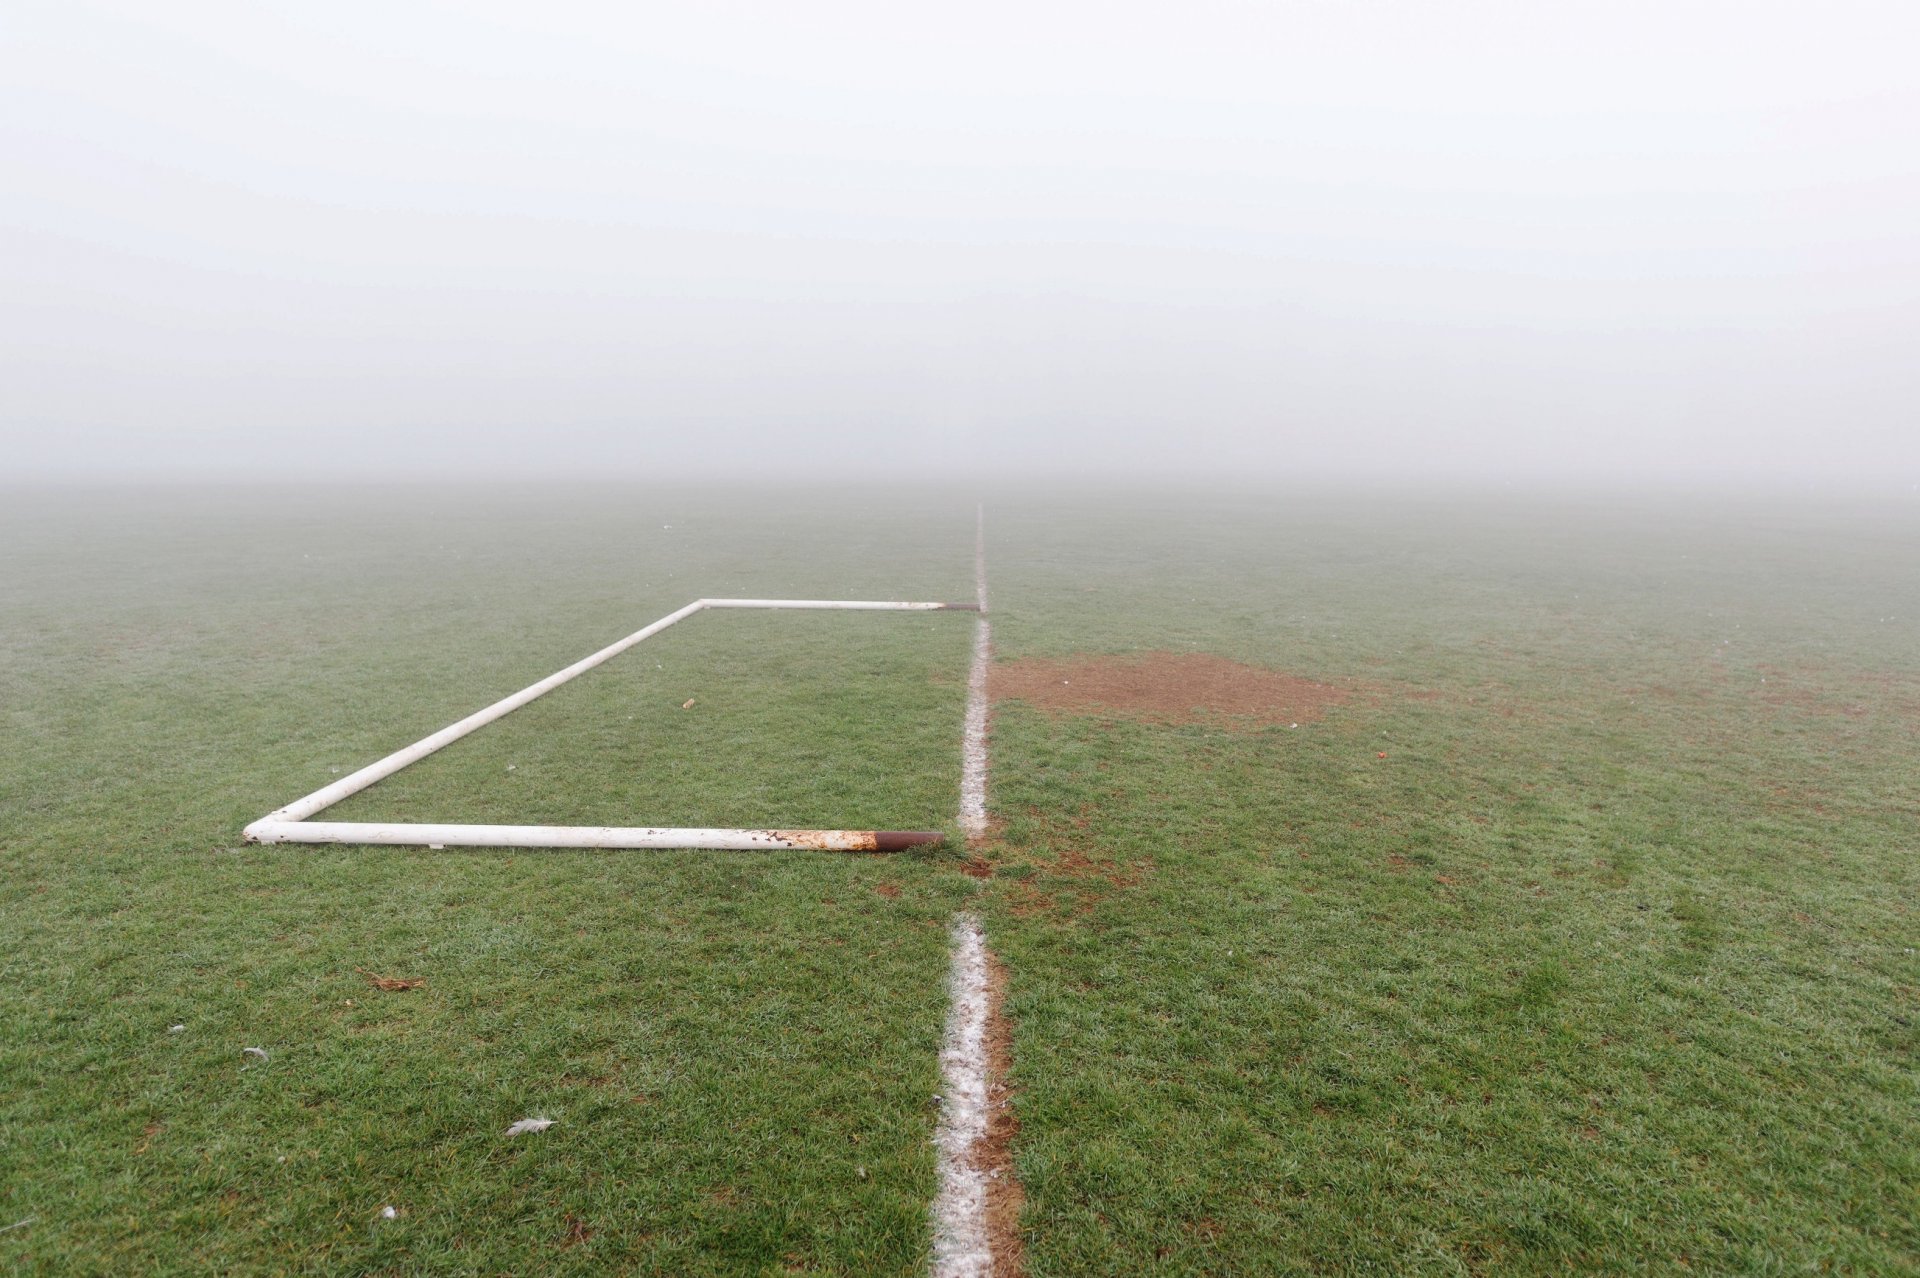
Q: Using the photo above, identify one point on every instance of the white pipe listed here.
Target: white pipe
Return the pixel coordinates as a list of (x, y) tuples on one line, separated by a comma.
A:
[(269, 830), (865, 605), (273, 828), (327, 796)]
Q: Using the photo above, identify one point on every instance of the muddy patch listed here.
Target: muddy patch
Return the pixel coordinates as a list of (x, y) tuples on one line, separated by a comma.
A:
[(1059, 866), (1167, 687), (994, 1155)]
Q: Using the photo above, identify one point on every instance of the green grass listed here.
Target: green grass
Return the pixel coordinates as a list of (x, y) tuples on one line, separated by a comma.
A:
[(739, 1049), (1607, 966), (807, 720)]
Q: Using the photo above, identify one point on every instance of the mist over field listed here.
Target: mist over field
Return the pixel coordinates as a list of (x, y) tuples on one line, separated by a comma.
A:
[(1618, 242), (1039, 639)]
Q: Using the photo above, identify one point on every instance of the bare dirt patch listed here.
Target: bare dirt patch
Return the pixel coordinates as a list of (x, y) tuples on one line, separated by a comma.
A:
[(1167, 687), (392, 984), (994, 1154), (1059, 867)]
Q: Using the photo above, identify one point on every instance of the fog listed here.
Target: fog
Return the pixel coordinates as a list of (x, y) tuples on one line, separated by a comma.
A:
[(1645, 240)]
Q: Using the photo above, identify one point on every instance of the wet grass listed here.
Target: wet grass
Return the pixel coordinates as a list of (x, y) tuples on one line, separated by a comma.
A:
[(1587, 944), (738, 1050), (1606, 966)]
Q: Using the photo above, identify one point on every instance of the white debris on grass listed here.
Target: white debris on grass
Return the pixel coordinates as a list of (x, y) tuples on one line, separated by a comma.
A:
[(176, 1029), (526, 1125), (258, 1053), (389, 1213), (960, 1245)]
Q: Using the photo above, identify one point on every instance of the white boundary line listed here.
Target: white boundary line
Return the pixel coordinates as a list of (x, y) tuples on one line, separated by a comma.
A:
[(973, 746), (290, 824), (960, 1245)]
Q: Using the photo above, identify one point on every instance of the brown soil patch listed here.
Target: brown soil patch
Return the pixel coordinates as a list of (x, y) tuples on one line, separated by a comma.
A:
[(1029, 902), (994, 1155), (1165, 687), (1072, 863), (1058, 871), (392, 984)]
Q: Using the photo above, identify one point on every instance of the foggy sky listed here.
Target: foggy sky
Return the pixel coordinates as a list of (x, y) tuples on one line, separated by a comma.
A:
[(1634, 238)]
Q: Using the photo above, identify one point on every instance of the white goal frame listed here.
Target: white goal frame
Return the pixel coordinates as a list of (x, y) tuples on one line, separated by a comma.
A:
[(291, 824)]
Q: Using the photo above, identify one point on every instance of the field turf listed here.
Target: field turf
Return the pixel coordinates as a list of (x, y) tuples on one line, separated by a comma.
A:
[(1607, 965)]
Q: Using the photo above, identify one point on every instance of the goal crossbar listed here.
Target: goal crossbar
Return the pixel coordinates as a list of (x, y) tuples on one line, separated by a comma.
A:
[(290, 824)]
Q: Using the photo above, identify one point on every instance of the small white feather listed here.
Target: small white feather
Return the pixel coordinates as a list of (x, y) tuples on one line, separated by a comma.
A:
[(529, 1125), (261, 1052)]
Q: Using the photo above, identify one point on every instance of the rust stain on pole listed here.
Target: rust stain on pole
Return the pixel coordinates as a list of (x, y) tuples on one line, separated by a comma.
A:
[(824, 840), (900, 840), (857, 840)]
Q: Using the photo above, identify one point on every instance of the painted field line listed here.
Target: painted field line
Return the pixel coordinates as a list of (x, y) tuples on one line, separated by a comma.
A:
[(973, 747), (961, 1247), (972, 1213)]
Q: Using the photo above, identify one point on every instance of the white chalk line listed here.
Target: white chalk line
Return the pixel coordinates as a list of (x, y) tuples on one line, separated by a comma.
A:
[(980, 556), (973, 745), (973, 748), (961, 1246)]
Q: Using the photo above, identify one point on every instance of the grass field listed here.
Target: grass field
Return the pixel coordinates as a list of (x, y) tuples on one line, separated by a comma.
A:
[(1609, 963)]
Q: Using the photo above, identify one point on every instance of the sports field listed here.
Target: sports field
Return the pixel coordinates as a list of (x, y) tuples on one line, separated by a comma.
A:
[(1573, 927)]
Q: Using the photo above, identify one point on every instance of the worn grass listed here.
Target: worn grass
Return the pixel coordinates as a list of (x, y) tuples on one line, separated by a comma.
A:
[(1606, 966)]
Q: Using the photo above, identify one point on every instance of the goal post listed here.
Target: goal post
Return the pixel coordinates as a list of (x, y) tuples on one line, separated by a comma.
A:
[(292, 823)]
